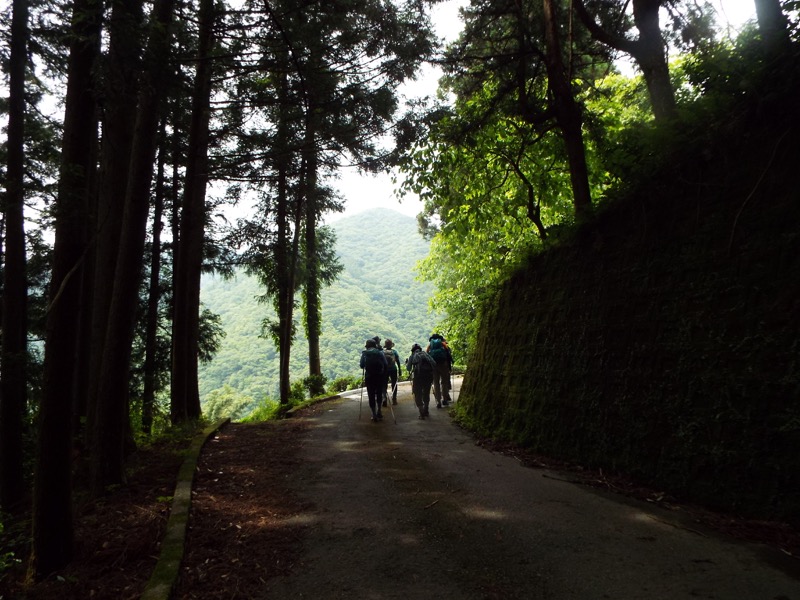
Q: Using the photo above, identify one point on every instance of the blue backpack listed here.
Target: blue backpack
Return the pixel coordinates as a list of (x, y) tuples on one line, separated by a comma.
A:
[(438, 351)]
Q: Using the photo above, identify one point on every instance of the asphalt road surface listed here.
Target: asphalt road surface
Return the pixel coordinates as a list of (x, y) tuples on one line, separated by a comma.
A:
[(414, 509)]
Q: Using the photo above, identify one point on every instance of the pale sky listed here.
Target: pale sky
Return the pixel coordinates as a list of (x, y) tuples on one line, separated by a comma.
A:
[(364, 192)]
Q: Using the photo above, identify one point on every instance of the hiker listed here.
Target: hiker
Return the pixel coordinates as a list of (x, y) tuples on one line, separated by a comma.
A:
[(395, 370), (374, 366), (421, 368), (440, 352), (382, 399)]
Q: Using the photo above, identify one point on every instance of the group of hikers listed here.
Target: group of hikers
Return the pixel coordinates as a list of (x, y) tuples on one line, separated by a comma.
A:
[(381, 369)]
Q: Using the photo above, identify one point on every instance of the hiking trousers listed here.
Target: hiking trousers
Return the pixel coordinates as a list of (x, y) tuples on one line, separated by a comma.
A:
[(391, 386), (374, 393), (441, 383), (422, 393)]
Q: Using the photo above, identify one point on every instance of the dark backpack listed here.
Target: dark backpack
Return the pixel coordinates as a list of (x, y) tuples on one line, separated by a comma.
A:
[(438, 350), (389, 354), (373, 360), (423, 364)]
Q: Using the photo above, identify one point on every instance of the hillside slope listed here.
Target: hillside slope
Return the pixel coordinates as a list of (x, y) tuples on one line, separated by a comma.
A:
[(375, 295)]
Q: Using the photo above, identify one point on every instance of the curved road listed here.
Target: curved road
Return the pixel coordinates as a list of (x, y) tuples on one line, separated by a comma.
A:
[(416, 510)]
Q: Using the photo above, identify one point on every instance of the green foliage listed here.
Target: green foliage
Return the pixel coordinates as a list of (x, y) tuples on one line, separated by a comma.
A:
[(226, 402), (265, 410), (211, 335), (348, 382), (315, 385), (297, 392)]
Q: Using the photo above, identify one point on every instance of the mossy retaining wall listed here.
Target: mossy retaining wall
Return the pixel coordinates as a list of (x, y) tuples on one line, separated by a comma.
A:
[(662, 341)]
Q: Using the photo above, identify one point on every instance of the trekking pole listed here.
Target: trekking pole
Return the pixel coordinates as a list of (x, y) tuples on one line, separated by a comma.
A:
[(389, 402), (361, 397)]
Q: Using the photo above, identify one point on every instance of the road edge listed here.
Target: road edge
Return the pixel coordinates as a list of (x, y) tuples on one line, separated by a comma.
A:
[(165, 574)]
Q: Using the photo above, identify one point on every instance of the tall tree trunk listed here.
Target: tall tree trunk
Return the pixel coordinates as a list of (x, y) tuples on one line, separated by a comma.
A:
[(568, 115), (119, 103), (649, 52), (112, 400), (312, 282), (651, 55), (153, 295), (773, 25), (284, 299), (52, 503), (284, 289), (186, 316), (14, 360)]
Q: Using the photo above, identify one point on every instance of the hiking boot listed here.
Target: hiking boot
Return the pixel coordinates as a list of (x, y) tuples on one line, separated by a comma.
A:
[(394, 402), (380, 417), (438, 404), (384, 403), (446, 403)]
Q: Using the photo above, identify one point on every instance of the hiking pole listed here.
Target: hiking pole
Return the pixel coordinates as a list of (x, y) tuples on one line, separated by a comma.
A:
[(361, 398), (389, 402)]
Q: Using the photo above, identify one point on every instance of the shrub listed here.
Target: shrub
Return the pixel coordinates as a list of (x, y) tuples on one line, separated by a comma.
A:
[(315, 384), (348, 382)]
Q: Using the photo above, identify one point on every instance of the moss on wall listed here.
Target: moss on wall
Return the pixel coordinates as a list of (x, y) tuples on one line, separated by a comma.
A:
[(662, 340)]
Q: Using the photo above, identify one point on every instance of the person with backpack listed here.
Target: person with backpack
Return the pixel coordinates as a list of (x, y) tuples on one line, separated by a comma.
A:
[(421, 367), (374, 366), (440, 353), (393, 360)]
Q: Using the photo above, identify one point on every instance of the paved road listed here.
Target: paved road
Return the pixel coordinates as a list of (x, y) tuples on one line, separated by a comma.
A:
[(416, 510)]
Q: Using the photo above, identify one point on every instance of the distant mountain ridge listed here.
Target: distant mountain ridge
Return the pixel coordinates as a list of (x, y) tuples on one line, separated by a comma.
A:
[(376, 294)]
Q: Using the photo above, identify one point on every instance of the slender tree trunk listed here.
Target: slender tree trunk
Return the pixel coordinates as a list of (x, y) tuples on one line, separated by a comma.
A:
[(119, 104), (14, 360), (112, 400), (175, 229), (186, 316), (312, 283), (568, 115), (153, 296), (284, 299), (52, 503), (284, 291)]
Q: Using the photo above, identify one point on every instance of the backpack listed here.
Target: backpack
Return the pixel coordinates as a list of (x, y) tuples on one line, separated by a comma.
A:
[(389, 354), (373, 361), (438, 350), (423, 364)]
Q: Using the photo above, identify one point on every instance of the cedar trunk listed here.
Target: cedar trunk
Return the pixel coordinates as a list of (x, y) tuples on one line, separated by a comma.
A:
[(119, 100), (312, 283), (13, 364), (186, 317), (153, 298), (52, 503), (112, 400)]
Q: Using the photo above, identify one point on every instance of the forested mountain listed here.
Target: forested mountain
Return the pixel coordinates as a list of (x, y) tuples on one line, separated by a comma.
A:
[(376, 294)]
